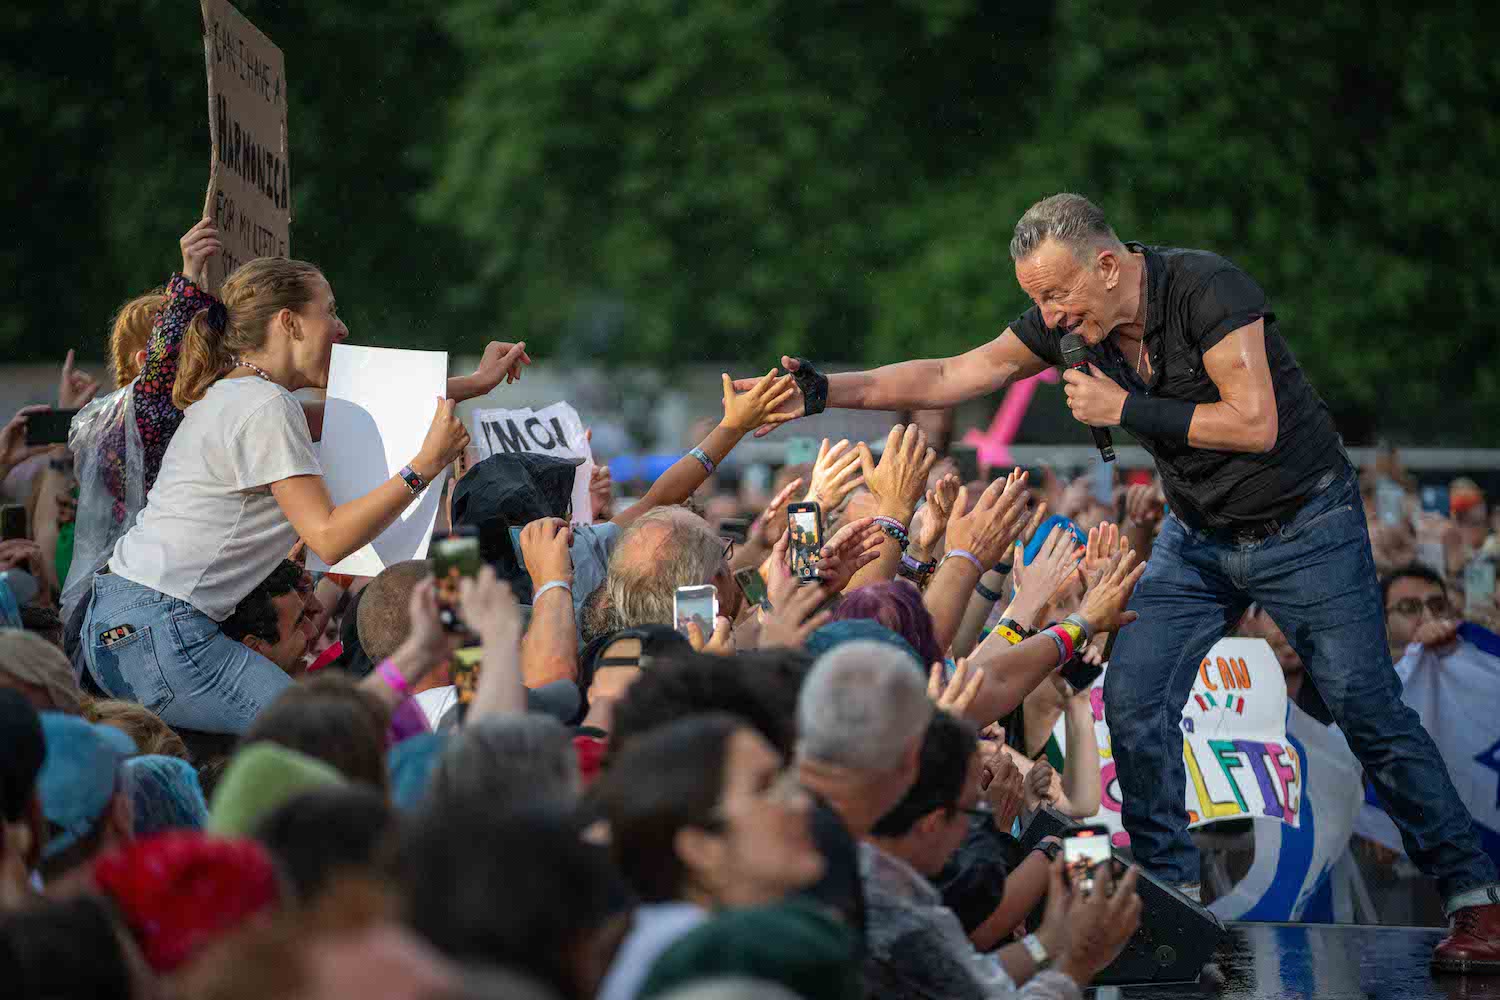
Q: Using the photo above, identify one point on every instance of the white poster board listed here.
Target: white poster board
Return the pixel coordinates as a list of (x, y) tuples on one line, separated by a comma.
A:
[(553, 430), (380, 407)]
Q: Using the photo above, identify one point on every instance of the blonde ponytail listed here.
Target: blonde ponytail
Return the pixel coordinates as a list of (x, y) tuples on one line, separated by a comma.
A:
[(252, 296), (129, 334)]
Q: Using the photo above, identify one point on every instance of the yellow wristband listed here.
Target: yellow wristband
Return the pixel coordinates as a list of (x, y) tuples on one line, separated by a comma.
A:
[(1009, 634), (1074, 631)]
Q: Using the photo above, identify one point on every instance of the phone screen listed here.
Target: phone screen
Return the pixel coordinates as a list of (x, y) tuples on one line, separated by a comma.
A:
[(453, 558), (50, 427), (695, 605), (751, 585), (806, 539), (1083, 851), (13, 522), (463, 668), (1435, 500)]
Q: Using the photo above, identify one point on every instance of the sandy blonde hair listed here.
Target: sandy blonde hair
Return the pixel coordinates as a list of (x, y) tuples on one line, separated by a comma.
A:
[(129, 333), (252, 296), (145, 727)]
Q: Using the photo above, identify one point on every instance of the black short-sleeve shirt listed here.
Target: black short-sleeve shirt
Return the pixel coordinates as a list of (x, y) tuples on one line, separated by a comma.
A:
[(1194, 299)]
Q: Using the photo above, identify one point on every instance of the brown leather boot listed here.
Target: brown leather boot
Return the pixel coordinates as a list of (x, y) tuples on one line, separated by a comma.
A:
[(1474, 944)]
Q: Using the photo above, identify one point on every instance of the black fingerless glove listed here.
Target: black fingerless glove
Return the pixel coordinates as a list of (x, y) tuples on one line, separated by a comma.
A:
[(813, 383)]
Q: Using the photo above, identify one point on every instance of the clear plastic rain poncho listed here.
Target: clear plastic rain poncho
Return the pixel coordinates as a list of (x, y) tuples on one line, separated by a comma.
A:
[(109, 461)]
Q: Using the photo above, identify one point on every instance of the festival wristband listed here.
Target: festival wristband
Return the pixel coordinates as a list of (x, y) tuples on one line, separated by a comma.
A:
[(1074, 633), (703, 459), (915, 570), (1050, 848), (1064, 640), (986, 593), (965, 554), (1084, 628), (1011, 623), (392, 677), (1009, 634), (1036, 949), (554, 585), (1002, 567), (1154, 417)]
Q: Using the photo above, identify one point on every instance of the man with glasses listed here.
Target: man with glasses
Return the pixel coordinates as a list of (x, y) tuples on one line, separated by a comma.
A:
[(1417, 609)]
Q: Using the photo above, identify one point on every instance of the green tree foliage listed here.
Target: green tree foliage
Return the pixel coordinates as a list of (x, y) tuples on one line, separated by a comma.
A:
[(662, 180)]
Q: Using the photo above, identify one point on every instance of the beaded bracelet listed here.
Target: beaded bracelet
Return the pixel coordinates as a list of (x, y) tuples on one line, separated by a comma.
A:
[(894, 529)]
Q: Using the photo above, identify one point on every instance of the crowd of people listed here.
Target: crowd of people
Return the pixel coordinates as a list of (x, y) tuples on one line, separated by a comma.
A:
[(227, 776)]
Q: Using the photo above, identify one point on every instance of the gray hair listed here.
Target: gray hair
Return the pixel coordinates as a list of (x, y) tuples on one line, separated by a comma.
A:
[(862, 707), (735, 988), (642, 584), (1070, 219), (515, 759)]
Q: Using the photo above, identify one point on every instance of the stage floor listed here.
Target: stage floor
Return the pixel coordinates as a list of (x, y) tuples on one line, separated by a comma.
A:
[(1327, 962)]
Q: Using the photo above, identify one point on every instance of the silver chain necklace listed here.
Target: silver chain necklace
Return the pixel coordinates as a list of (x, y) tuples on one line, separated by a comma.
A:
[(242, 363)]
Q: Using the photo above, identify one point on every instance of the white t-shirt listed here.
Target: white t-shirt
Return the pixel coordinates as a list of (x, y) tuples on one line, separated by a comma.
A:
[(211, 530)]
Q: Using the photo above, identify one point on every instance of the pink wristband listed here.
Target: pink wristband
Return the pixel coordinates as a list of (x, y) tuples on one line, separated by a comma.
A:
[(388, 673)]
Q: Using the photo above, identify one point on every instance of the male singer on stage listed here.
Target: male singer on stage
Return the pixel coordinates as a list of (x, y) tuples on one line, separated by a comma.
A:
[(1264, 507)]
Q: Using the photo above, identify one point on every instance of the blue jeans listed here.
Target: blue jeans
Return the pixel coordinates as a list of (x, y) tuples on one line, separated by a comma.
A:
[(1316, 578), (175, 662)]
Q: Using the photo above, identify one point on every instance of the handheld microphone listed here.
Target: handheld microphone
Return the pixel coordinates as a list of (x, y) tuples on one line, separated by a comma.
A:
[(1075, 355)]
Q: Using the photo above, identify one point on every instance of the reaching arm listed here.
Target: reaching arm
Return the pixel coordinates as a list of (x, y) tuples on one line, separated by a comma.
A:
[(550, 650), (1080, 775), (936, 383)]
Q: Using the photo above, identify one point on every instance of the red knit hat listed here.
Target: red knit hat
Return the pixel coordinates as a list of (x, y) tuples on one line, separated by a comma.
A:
[(182, 889)]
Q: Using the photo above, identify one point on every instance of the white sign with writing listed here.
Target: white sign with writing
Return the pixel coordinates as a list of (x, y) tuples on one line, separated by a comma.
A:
[(553, 430), (1235, 753)]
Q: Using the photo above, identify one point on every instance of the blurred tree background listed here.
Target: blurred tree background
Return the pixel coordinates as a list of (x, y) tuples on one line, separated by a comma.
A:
[(730, 179)]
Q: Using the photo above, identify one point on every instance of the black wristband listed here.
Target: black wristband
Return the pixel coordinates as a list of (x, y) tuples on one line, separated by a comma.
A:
[(1154, 417), (1051, 850), (814, 386), (986, 593)]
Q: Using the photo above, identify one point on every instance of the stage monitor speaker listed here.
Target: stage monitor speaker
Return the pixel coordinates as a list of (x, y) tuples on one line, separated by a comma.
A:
[(1177, 936)]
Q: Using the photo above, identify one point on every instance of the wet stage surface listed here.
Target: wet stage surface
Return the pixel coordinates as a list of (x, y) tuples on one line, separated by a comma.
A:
[(1326, 961)]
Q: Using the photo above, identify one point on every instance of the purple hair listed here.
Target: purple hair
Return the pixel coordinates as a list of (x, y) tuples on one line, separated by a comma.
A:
[(898, 606)]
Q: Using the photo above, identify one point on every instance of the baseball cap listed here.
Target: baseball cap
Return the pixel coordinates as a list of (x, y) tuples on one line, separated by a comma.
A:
[(79, 776), (1044, 530), (25, 749)]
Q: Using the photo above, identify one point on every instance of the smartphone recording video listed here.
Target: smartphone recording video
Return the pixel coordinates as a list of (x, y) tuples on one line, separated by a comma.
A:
[(695, 605), (49, 428), (752, 585), (1084, 850), (805, 541), (454, 557)]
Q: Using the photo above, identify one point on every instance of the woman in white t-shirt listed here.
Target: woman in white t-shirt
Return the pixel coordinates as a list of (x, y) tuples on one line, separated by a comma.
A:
[(239, 484)]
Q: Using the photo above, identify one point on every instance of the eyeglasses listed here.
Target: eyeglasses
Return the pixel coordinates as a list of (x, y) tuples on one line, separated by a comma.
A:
[(1412, 606), (728, 549)]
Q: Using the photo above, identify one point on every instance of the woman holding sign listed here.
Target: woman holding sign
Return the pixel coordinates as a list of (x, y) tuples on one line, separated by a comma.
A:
[(239, 484)]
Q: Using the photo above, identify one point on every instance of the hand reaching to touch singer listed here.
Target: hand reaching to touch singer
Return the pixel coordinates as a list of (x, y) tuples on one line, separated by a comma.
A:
[(1094, 398)]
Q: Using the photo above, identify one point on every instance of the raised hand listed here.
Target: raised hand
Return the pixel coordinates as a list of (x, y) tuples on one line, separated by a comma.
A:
[(545, 548), (447, 437), (198, 244), (794, 613), (601, 493), (900, 478), (835, 475), (851, 549), (930, 522), (500, 362), (1096, 925), (1055, 563), (488, 607), (1109, 592), (1145, 505), (995, 522), (771, 524), (1105, 542), (959, 693), (13, 447), (791, 408), (74, 388), (427, 644), (1003, 787), (762, 404), (1040, 786)]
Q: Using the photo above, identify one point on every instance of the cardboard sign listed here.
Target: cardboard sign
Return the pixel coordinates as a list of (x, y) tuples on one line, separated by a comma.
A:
[(379, 409), (250, 185), (554, 430), (1235, 751)]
